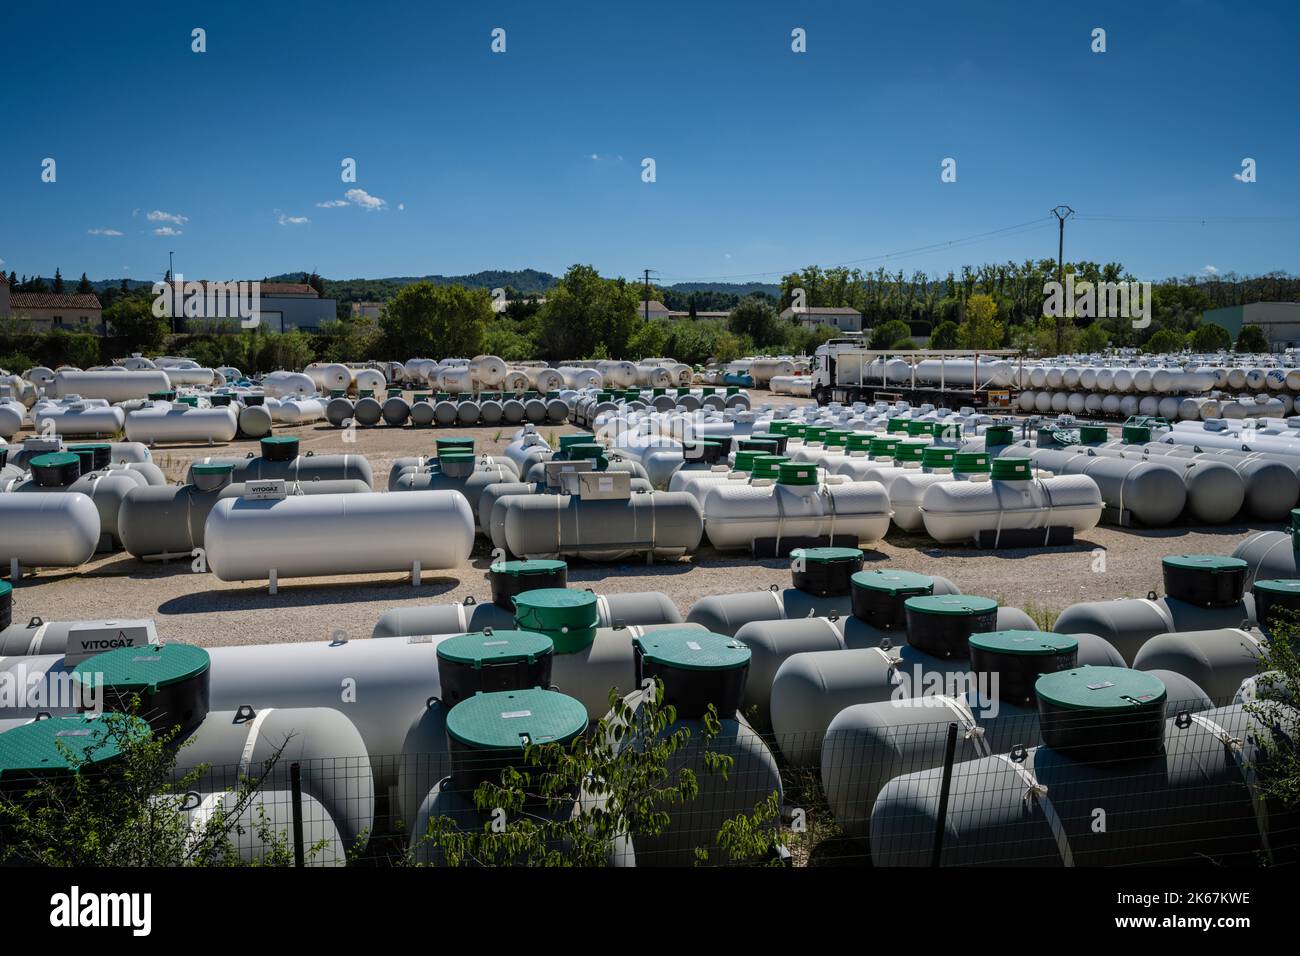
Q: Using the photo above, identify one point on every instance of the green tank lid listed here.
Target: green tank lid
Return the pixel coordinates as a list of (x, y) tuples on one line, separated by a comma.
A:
[(213, 468), (1100, 689), (93, 446), (708, 390), (338, 392), (935, 456), (566, 615), (38, 747), (797, 473), (884, 447), (394, 391), (910, 450), (894, 583), (1012, 469), (951, 605), (971, 462), (449, 443), (454, 455), (536, 566), (161, 396), (1285, 588), (143, 669), (744, 460), (796, 429), (826, 555), (86, 456), (1092, 434), (733, 390), (576, 438), (778, 426), (768, 466), (442, 396), (507, 720), (56, 459), (657, 391), (1213, 563), (999, 435), (814, 433), (279, 443), (495, 647), (915, 428), (420, 397), (191, 400), (897, 425), (1295, 519), (946, 431), (1135, 434), (692, 650), (1026, 643), (858, 441), (762, 442), (681, 390)]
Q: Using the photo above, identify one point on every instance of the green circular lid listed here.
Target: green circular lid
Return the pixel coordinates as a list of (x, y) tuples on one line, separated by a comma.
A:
[(827, 555), (516, 568), (814, 433), (452, 455), (837, 437), (581, 450), (507, 720), (494, 647), (1295, 519), (5, 588), (884, 447), (796, 429), (1100, 688), (213, 468), (1135, 434), (1012, 469), (144, 668), (858, 441), (763, 441), (689, 649), (768, 466), (797, 473), (35, 747), (90, 446), (893, 582), (1214, 563), (935, 456), (778, 426), (576, 438), (918, 427), (1027, 643), (551, 609), (970, 462), (745, 459), (337, 392), (951, 605), (161, 396), (999, 435), (1288, 588), (450, 442), (279, 441), (910, 450), (1092, 434), (897, 425), (56, 459), (949, 430)]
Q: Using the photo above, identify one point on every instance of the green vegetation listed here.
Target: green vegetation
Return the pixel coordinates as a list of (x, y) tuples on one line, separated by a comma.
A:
[(1251, 338)]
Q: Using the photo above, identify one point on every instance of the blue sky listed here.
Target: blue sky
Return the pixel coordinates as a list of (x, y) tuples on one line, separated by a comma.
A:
[(766, 160)]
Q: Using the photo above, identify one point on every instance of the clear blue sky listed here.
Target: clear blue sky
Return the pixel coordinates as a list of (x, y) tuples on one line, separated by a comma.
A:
[(767, 160)]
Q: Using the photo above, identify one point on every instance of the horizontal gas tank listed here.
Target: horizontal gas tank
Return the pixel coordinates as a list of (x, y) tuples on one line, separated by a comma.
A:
[(960, 511)]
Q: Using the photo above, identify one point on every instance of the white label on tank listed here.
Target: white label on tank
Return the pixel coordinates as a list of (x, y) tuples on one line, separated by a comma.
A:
[(511, 714), (270, 489), (146, 660), (1102, 686), (494, 643), (72, 733), (606, 484), (692, 645)]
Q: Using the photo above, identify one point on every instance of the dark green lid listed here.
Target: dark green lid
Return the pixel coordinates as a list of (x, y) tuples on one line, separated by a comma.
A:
[(897, 425), (584, 450), (449, 443), (91, 446), (815, 433), (689, 649), (951, 605), (550, 609), (884, 447), (56, 459), (778, 426), (1287, 588), (893, 583), (576, 438), (918, 428), (827, 555), (451, 455), (1135, 434), (837, 438), (212, 468), (161, 396), (509, 719), (495, 647), (796, 429), (767, 466), (34, 748), (745, 459), (858, 441), (910, 450), (998, 435), (144, 668), (1213, 563), (1100, 688), (936, 456), (1012, 469), (1295, 519), (517, 568), (5, 589), (1092, 434), (971, 462), (946, 431), (797, 473), (1027, 643), (279, 441)]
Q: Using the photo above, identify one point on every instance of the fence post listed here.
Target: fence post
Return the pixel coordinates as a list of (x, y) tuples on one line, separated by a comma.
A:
[(295, 783), (949, 754)]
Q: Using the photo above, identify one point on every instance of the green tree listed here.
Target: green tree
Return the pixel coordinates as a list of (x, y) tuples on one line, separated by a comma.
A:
[(756, 318), (944, 336), (892, 334), (436, 320), (585, 313), (1209, 337), (1166, 340), (84, 287), (1251, 338), (132, 318), (1094, 338), (650, 339), (58, 282), (980, 329)]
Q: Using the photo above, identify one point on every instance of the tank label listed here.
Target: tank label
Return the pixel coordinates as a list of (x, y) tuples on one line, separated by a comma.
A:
[(494, 643), (269, 489), (511, 714), (1102, 686), (693, 646)]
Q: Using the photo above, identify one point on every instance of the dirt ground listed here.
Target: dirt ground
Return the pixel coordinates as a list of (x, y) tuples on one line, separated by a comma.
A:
[(195, 607)]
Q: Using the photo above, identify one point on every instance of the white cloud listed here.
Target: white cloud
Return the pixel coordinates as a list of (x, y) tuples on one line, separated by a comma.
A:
[(401, 207), (159, 216), (1212, 270), (1239, 177), (332, 204), (362, 198), (292, 220), (103, 232), (167, 231)]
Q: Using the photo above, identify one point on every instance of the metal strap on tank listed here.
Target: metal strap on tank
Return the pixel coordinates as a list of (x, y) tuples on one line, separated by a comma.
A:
[(839, 637), (203, 812), (1259, 565), (461, 620), (35, 646), (825, 492), (250, 742), (891, 663), (1036, 793), (602, 610), (1051, 507), (780, 602), (1234, 746), (1254, 641), (973, 731), (1165, 616)]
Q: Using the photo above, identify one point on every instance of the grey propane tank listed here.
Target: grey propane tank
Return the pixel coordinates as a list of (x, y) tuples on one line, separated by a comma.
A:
[(1218, 660), (1129, 623)]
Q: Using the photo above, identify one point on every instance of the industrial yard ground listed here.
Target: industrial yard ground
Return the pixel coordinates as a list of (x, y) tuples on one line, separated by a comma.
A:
[(1105, 563)]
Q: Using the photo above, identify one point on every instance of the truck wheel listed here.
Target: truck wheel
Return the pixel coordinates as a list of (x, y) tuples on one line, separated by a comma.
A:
[(822, 396)]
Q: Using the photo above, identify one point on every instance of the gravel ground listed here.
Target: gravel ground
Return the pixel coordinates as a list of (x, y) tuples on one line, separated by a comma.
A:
[(197, 608)]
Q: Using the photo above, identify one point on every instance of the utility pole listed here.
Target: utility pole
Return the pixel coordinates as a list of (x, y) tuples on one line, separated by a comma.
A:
[(171, 287), (1061, 213), (645, 296)]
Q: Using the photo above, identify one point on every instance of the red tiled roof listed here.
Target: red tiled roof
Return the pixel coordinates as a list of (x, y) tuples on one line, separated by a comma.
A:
[(277, 288), (48, 300)]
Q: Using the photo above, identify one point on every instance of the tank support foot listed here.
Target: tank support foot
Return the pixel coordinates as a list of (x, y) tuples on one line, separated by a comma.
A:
[(415, 574), (274, 582)]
